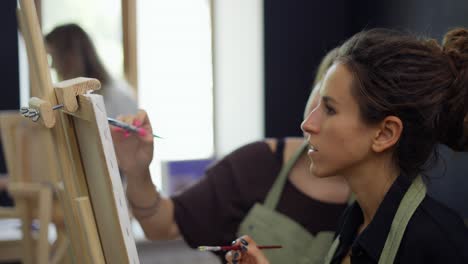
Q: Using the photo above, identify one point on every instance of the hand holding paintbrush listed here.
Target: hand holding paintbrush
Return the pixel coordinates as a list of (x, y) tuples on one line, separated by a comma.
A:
[(244, 250), (134, 151), (129, 128)]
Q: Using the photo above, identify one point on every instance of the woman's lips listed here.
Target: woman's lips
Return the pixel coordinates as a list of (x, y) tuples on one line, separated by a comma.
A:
[(312, 149)]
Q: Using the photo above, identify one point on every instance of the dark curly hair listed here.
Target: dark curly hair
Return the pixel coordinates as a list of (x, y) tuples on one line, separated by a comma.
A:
[(417, 80)]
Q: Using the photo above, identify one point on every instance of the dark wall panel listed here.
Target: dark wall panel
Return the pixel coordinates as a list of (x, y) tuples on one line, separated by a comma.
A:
[(298, 34), (9, 98), (9, 89)]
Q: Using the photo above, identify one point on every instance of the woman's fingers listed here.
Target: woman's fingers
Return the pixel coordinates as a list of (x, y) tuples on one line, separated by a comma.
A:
[(234, 256), (139, 120), (247, 243), (249, 252), (128, 119), (141, 117)]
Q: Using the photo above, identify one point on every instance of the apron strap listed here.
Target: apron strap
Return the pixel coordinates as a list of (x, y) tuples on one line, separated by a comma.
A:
[(408, 206), (274, 194), (351, 199), (332, 250)]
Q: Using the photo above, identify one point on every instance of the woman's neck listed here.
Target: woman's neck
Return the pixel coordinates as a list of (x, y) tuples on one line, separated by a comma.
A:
[(370, 183)]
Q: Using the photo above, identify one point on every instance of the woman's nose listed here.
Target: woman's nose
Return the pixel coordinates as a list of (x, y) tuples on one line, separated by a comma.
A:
[(310, 125)]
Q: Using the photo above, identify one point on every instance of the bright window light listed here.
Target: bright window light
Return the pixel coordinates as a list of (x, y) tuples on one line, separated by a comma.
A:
[(175, 78), (102, 20)]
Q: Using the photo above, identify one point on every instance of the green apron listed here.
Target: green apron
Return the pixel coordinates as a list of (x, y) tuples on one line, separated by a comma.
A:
[(269, 227), (408, 205)]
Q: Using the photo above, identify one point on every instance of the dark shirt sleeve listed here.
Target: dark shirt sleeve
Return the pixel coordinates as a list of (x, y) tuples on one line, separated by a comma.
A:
[(210, 212)]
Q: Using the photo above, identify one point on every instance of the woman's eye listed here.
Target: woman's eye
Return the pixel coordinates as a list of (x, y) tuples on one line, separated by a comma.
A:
[(329, 110)]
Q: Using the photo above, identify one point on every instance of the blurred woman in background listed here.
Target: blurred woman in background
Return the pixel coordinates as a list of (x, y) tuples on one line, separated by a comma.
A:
[(74, 55)]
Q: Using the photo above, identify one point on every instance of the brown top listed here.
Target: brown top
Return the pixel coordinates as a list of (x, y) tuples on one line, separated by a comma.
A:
[(211, 211)]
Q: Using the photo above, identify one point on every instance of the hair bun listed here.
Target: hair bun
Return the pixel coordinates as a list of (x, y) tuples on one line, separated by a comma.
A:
[(455, 45), (455, 38)]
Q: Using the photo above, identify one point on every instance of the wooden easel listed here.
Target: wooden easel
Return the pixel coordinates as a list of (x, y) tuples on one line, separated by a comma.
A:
[(28, 184), (88, 185)]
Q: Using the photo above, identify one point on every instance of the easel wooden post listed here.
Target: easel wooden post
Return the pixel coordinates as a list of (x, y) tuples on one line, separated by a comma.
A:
[(30, 189), (129, 32), (89, 185)]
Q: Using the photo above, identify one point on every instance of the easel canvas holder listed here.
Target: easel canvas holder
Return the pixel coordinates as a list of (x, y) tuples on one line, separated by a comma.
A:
[(89, 185)]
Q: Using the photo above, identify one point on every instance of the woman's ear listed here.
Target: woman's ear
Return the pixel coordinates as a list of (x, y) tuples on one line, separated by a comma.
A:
[(388, 133)]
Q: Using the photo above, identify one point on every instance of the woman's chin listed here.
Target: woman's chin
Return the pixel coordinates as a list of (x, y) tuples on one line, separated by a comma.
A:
[(318, 172), (313, 170)]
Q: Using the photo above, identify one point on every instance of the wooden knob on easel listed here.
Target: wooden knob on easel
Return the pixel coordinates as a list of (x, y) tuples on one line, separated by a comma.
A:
[(40, 110)]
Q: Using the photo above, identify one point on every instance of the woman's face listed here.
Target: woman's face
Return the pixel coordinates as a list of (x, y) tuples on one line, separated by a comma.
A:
[(339, 141)]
